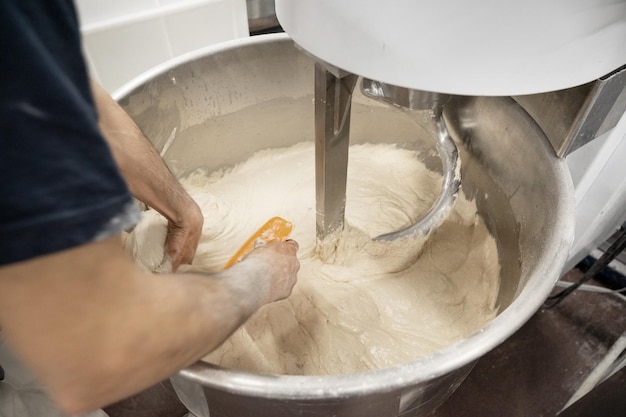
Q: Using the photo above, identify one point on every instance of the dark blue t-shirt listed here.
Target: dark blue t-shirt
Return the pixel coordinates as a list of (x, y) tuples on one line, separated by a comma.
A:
[(59, 185)]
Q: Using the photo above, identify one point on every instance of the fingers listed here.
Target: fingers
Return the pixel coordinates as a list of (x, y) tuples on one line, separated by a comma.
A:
[(288, 247), (181, 245), (180, 254), (183, 233), (286, 266), (281, 266), (174, 250)]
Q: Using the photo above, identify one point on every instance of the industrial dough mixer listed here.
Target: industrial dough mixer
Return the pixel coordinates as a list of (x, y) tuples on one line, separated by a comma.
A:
[(499, 62)]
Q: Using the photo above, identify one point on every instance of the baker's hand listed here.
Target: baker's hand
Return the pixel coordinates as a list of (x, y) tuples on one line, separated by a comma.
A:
[(279, 268), (183, 235)]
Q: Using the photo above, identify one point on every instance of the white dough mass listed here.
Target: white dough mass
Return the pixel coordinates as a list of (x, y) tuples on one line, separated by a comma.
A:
[(358, 313)]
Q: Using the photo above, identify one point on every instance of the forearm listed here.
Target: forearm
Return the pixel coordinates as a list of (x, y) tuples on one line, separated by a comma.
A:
[(149, 179), (146, 174), (95, 340)]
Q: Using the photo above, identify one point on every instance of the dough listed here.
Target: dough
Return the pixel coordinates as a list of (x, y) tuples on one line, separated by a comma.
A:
[(374, 306)]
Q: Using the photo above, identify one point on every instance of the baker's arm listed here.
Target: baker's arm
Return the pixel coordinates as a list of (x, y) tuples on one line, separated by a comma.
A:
[(149, 179), (94, 332)]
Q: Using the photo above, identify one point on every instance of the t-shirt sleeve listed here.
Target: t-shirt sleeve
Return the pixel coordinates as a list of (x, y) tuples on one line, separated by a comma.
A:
[(59, 184)]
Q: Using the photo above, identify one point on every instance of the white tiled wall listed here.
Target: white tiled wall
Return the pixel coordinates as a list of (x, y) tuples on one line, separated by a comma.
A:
[(124, 38)]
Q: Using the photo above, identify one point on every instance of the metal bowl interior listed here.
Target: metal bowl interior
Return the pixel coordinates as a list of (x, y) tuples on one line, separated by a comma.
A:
[(217, 106)]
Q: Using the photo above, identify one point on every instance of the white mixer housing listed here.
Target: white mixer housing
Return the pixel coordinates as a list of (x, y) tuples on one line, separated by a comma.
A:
[(469, 47)]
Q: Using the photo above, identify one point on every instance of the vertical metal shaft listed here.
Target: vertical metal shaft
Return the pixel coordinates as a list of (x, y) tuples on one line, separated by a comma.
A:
[(333, 97)]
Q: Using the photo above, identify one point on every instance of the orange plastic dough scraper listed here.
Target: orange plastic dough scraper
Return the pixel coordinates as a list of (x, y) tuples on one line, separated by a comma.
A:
[(274, 229)]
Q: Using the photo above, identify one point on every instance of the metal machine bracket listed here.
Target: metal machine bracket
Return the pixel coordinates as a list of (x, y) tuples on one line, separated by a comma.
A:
[(575, 116)]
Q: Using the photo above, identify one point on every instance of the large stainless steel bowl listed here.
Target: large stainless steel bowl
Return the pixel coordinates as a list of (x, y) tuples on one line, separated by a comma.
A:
[(217, 106)]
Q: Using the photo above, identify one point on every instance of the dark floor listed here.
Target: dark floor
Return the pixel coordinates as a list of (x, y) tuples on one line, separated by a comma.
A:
[(536, 371), (532, 374)]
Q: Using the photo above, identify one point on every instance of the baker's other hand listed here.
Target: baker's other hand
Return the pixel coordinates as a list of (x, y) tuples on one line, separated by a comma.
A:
[(183, 234), (278, 268)]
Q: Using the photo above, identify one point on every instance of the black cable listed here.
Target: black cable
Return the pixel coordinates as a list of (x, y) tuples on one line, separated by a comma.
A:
[(611, 253)]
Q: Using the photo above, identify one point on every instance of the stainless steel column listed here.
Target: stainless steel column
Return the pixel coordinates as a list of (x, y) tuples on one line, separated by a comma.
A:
[(333, 98)]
